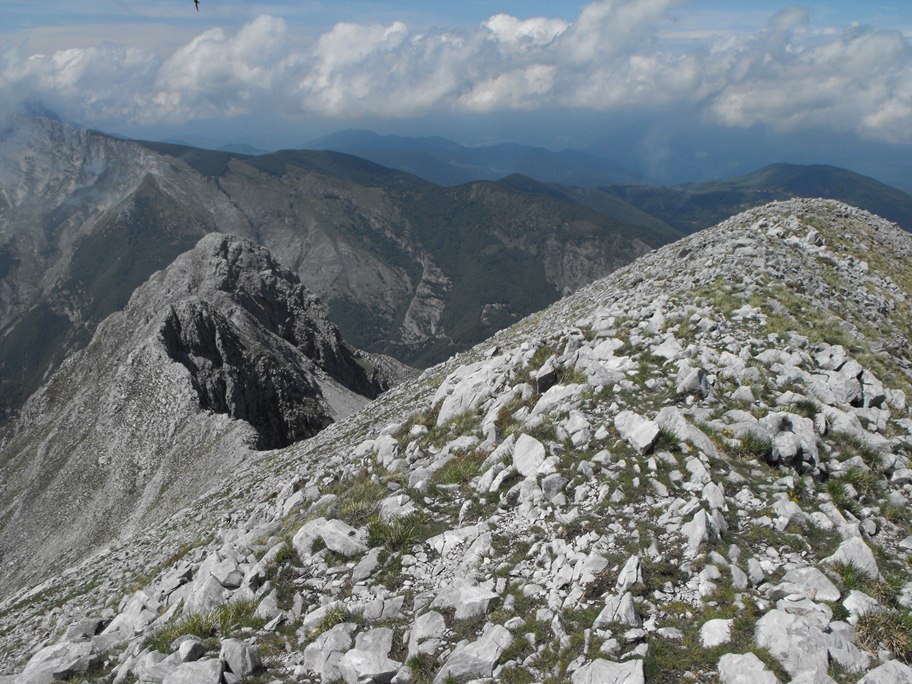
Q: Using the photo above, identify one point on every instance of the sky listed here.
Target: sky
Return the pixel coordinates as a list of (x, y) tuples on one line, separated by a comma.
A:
[(674, 75)]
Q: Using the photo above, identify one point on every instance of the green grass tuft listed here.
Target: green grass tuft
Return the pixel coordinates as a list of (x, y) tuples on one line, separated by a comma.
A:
[(889, 629)]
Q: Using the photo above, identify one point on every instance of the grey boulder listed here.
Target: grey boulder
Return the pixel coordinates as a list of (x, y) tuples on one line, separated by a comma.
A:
[(606, 672)]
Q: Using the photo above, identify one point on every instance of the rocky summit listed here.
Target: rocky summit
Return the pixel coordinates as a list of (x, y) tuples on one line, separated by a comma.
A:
[(696, 469)]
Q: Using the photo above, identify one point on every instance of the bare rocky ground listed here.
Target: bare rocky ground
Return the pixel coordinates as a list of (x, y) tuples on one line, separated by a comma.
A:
[(696, 469)]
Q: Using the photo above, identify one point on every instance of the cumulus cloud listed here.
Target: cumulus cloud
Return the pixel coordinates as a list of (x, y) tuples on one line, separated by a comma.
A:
[(859, 81), (217, 74), (612, 56), (528, 34)]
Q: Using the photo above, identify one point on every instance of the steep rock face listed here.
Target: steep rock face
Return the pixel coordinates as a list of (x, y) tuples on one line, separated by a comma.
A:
[(222, 344), (223, 352), (700, 464)]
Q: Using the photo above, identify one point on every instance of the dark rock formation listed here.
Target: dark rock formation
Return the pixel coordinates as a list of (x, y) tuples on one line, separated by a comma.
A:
[(275, 391)]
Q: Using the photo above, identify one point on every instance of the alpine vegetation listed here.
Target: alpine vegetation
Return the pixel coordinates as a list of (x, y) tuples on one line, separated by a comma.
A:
[(695, 469)]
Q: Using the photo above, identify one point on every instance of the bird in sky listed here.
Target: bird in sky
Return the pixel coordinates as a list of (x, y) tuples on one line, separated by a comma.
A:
[(197, 3)]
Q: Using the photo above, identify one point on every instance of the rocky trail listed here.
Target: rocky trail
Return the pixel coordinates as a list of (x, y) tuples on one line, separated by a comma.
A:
[(695, 469)]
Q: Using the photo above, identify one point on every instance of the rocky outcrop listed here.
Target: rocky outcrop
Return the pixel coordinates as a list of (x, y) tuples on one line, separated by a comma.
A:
[(235, 354), (222, 353), (580, 512)]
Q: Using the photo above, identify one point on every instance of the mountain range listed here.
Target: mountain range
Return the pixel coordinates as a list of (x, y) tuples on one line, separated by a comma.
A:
[(403, 266), (686, 207), (698, 468), (445, 162)]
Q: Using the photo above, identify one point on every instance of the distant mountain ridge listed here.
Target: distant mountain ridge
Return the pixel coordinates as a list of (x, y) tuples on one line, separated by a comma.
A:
[(405, 267), (695, 206), (445, 162), (585, 178)]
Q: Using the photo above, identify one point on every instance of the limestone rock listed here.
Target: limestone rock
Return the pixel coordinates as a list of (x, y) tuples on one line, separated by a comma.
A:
[(744, 669), (468, 601), (811, 582), (797, 643), (360, 667), (891, 672), (715, 633), (619, 609), (606, 672), (241, 658), (854, 551), (637, 431), (207, 671), (335, 534), (477, 658), (528, 455)]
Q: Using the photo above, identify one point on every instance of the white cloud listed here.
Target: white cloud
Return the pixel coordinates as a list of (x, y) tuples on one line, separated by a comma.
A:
[(616, 54), (859, 81), (517, 89), (216, 74), (530, 33)]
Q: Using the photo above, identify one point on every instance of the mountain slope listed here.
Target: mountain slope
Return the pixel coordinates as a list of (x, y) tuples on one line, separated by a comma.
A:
[(84, 219), (697, 468), (221, 353), (692, 207)]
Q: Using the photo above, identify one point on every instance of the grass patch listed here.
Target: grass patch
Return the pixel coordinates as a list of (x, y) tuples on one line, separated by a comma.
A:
[(282, 572), (669, 660), (334, 616), (222, 622), (423, 667), (896, 514), (667, 440), (541, 355), (889, 629), (358, 501), (804, 407), (884, 591), (850, 446), (544, 432), (196, 625), (401, 534), (841, 496), (865, 482), (753, 446), (390, 576), (460, 470)]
